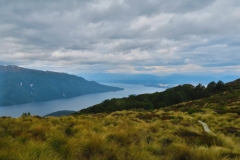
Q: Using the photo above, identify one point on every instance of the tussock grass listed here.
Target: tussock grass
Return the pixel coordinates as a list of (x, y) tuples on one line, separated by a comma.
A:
[(168, 134)]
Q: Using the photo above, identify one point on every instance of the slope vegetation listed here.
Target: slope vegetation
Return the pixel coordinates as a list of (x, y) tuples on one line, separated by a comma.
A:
[(169, 133), (171, 96)]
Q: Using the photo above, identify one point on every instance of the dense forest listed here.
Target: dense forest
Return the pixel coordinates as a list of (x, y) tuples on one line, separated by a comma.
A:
[(175, 95)]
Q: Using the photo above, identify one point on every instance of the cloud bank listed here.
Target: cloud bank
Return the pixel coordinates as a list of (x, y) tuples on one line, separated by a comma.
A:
[(129, 36)]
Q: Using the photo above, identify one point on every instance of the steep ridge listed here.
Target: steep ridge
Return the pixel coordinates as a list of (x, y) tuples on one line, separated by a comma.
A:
[(19, 85)]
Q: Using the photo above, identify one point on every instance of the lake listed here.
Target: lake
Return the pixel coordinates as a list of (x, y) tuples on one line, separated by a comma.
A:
[(76, 103)]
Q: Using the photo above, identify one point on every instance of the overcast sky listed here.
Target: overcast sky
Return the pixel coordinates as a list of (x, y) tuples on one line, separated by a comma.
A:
[(122, 36)]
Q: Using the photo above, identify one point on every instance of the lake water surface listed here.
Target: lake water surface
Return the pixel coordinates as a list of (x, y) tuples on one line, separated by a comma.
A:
[(76, 103)]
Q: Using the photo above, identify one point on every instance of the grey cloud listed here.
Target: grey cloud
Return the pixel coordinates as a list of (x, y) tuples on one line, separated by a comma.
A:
[(170, 6), (111, 34)]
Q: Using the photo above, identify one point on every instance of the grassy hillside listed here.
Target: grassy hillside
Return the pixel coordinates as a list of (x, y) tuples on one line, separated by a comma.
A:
[(171, 133), (130, 135)]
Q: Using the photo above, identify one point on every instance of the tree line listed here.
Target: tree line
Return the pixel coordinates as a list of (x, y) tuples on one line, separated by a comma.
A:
[(171, 96)]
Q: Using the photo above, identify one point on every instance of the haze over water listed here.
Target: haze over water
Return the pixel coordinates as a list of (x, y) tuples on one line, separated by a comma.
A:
[(76, 103)]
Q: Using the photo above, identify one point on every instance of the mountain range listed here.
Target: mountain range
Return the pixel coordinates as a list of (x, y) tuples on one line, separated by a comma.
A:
[(20, 85), (162, 81)]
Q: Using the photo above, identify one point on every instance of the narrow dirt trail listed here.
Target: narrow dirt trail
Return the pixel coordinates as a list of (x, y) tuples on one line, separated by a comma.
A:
[(205, 126)]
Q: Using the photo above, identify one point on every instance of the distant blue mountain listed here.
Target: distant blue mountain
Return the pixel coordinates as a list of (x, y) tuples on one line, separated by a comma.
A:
[(122, 78), (19, 85), (156, 81)]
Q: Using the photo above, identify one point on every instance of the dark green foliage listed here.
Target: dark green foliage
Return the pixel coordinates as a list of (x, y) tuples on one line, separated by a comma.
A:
[(219, 86), (60, 113), (171, 96), (211, 86), (26, 114), (19, 85), (216, 87)]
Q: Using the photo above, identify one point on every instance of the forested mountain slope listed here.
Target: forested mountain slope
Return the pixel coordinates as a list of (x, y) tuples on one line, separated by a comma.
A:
[(171, 96), (19, 85)]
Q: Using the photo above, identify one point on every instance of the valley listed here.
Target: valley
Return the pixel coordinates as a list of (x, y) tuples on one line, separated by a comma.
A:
[(75, 103), (173, 132)]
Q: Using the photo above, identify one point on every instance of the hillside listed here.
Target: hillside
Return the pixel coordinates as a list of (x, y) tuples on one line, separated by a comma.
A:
[(224, 102), (171, 96), (19, 85), (170, 133), (60, 113)]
